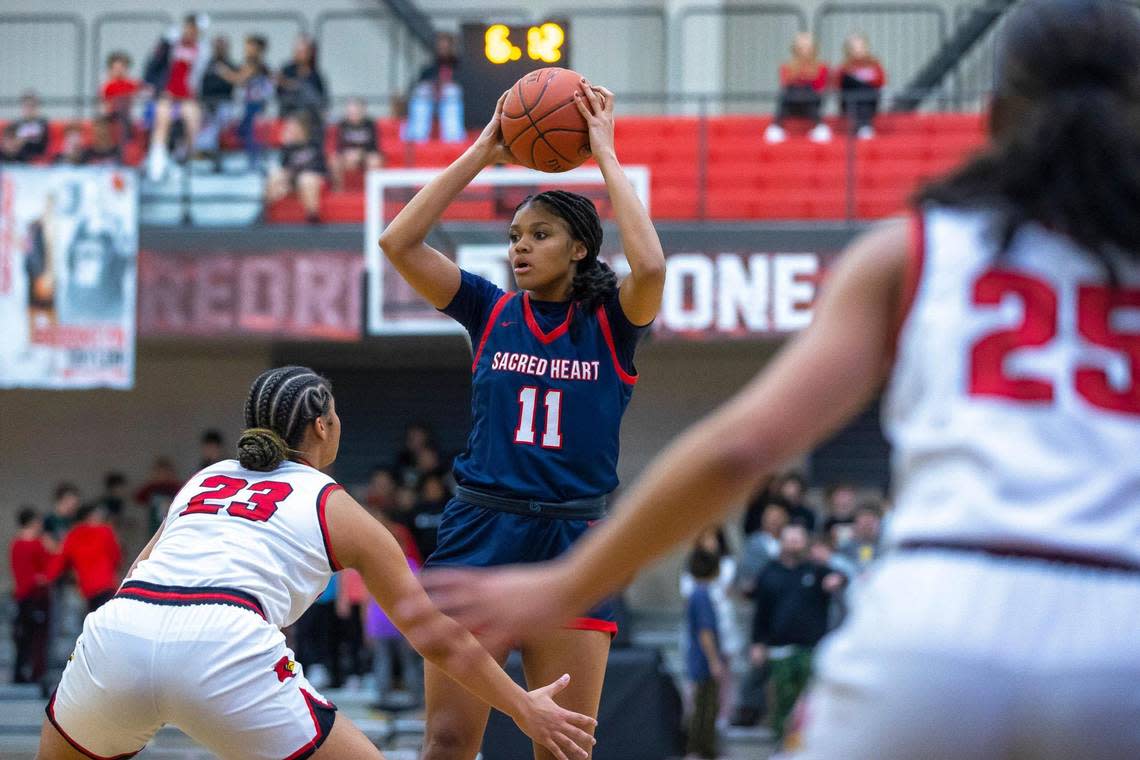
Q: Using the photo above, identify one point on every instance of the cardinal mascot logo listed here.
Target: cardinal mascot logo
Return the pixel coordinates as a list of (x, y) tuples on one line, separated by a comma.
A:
[(285, 669)]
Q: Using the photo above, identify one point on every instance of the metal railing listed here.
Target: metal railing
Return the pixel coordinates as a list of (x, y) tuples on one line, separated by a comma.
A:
[(43, 52)]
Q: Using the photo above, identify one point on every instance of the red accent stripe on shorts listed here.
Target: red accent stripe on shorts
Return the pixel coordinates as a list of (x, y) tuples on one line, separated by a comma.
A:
[(498, 309), (608, 334), (322, 499), (315, 743), (50, 710), (592, 624), (189, 595)]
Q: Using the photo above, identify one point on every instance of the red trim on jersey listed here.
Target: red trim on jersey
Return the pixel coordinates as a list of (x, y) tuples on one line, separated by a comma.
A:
[(322, 499), (206, 596), (608, 334), (912, 276), (79, 747), (592, 624), (554, 334), (302, 460), (495, 312), (313, 744)]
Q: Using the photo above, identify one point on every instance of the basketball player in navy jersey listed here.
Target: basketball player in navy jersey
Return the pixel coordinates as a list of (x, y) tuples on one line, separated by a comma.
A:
[(552, 374)]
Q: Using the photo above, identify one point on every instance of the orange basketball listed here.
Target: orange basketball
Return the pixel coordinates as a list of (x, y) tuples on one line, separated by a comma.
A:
[(541, 123)]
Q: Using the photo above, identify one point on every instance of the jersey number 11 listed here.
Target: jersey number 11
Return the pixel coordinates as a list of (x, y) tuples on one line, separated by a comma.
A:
[(528, 401)]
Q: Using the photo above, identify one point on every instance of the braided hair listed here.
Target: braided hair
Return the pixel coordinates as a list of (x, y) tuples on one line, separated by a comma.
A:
[(594, 282), (281, 404), (1066, 121)]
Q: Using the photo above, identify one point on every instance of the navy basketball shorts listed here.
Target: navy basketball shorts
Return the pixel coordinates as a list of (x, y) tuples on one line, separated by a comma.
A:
[(474, 536)]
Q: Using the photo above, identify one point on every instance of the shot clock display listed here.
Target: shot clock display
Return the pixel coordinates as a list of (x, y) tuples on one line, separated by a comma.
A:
[(495, 56)]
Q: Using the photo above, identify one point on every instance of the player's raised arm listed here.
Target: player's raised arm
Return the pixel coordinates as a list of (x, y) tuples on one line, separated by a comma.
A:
[(827, 373), (433, 275), (360, 542), (640, 292)]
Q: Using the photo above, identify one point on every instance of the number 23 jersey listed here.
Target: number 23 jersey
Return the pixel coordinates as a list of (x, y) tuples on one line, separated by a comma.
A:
[(549, 387), (263, 533)]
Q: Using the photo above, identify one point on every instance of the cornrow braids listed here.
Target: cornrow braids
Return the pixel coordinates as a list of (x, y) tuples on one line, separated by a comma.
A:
[(284, 401), (594, 282)]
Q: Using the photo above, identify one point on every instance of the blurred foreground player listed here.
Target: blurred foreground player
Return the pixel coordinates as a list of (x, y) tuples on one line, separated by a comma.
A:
[(1002, 623), (193, 637)]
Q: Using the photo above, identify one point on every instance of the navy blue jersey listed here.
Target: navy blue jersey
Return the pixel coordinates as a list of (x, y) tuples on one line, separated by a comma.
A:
[(547, 400)]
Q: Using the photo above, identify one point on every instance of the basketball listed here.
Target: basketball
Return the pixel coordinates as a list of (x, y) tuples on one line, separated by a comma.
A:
[(541, 124)]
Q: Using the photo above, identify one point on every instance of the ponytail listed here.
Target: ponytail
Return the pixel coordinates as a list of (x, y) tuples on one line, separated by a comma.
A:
[(593, 285)]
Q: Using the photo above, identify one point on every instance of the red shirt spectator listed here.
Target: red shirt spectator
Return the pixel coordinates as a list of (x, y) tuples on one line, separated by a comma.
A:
[(119, 89), (92, 551), (813, 74), (31, 561), (180, 80), (870, 72)]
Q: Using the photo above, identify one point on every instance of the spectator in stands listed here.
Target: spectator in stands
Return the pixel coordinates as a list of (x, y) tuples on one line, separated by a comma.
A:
[(72, 150), (863, 546), (381, 493), (64, 507), (211, 448), (391, 652), (302, 168), (10, 145), (352, 597), (842, 498), (256, 81), (30, 562), (103, 150), (114, 494), (706, 666), (317, 638), (177, 99), (437, 87), (91, 550), (803, 80), (156, 494), (861, 77), (300, 86), (432, 498), (118, 94), (417, 437), (793, 596), (793, 488), (763, 545), (31, 128), (217, 95), (357, 145), (714, 541)]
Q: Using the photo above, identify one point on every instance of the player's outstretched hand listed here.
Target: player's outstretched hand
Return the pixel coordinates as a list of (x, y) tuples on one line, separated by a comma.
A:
[(502, 606), (566, 734), (596, 104), (490, 140)]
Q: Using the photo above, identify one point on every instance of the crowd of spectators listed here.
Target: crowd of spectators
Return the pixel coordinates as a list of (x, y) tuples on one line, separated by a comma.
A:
[(794, 567), (805, 80)]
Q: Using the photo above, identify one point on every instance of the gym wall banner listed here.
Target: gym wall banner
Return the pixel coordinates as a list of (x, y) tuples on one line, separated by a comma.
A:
[(68, 245)]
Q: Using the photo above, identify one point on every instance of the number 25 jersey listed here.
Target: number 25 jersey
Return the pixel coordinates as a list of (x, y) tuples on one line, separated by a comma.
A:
[(547, 400), (263, 533)]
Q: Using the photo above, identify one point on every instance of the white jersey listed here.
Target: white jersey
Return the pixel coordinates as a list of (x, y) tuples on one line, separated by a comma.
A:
[(261, 533), (1014, 404)]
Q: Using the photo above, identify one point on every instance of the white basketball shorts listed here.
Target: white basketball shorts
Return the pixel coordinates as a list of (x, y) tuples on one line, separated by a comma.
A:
[(203, 660), (955, 655)]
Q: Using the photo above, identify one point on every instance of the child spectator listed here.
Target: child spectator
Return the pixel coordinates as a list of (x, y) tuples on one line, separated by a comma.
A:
[(31, 129), (257, 85), (157, 493), (803, 80), (91, 550), (861, 77), (302, 168), (357, 145), (118, 93), (437, 86), (300, 86), (65, 504), (30, 562), (217, 94), (705, 663), (210, 448), (177, 97), (863, 546)]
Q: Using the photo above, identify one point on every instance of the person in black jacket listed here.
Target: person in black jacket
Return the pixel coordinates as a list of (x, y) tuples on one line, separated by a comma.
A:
[(793, 596), (357, 144), (302, 168), (31, 128), (300, 86)]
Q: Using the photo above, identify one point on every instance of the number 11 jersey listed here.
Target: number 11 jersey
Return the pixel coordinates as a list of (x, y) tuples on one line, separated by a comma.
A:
[(548, 393)]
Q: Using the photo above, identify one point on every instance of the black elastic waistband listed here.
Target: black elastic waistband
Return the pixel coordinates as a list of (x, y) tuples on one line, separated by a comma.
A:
[(180, 596), (579, 509), (1043, 553)]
